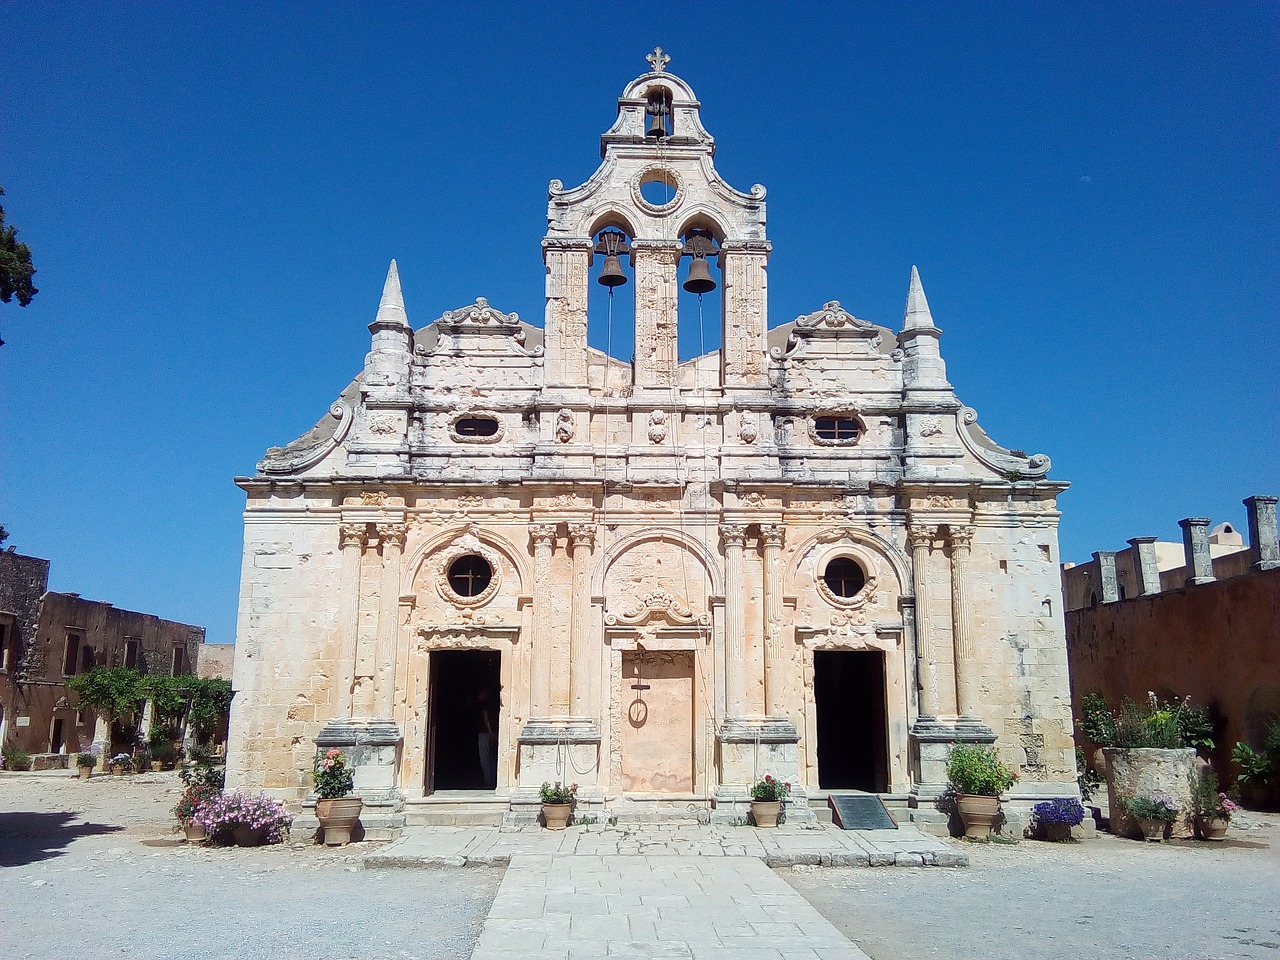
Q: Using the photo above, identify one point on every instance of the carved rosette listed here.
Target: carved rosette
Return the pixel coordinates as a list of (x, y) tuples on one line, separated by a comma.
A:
[(466, 545)]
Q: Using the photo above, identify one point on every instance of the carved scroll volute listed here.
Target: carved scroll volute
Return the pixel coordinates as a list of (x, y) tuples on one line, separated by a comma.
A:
[(773, 534), (921, 536), (543, 536), (961, 537)]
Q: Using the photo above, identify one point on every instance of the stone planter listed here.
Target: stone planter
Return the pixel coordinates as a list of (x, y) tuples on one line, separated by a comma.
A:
[(765, 813), (556, 815), (1152, 830), (338, 818), (978, 814), (249, 836), (1143, 772), (193, 832), (1211, 828)]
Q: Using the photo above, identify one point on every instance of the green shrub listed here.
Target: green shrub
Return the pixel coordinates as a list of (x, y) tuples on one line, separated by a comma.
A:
[(978, 771), (86, 760), (1096, 721), (15, 758)]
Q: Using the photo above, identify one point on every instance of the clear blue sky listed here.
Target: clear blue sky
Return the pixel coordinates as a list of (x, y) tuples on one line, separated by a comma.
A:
[(212, 193)]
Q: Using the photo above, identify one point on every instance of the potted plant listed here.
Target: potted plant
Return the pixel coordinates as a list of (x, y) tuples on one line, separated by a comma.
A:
[(337, 811), (1153, 813), (121, 764), (244, 819), (1213, 808), (85, 762), (557, 804), (1259, 769), (767, 797), (978, 776), (193, 797), (1055, 818), (15, 758)]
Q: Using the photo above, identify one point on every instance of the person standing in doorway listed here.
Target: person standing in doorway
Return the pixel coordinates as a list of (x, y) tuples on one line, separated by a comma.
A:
[(487, 736)]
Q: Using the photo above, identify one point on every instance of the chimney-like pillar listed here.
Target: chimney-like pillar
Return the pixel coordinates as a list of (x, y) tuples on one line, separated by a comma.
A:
[(1144, 563), (1263, 546), (1106, 561), (1195, 545)]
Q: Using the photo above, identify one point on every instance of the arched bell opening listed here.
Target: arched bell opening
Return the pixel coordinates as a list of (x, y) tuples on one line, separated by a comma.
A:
[(701, 283), (658, 117), (610, 295)]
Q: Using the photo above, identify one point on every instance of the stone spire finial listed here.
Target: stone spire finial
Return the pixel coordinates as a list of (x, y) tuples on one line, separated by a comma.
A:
[(391, 307), (917, 313), (658, 60)]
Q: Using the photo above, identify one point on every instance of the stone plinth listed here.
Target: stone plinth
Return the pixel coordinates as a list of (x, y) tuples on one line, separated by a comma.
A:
[(372, 748), (931, 743), (564, 749), (750, 748), (1143, 772)]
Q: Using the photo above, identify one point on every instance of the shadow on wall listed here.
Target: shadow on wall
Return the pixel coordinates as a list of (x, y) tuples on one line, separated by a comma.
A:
[(30, 837)]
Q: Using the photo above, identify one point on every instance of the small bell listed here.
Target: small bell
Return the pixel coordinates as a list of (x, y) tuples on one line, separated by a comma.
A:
[(657, 127), (699, 280), (611, 275)]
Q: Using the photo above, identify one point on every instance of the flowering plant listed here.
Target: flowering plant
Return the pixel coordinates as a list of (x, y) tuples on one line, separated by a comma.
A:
[(1066, 810), (192, 799), (222, 813), (1158, 806), (770, 790), (558, 794), (121, 760), (334, 778), (1210, 801), (978, 771)]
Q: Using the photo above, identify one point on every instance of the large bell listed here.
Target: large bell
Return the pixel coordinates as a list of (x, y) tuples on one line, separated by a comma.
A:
[(657, 127), (611, 275), (699, 280)]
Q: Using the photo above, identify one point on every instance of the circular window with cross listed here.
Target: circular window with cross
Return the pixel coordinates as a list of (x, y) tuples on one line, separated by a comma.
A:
[(468, 574), (846, 580)]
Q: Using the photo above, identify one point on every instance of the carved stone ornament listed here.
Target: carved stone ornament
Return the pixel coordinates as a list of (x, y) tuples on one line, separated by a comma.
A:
[(961, 536), (657, 173), (464, 636), (753, 499), (456, 437), (773, 534), (307, 451), (657, 605), (478, 318), (542, 535), (941, 501), (921, 535), (352, 534), (733, 534), (930, 427), (470, 501), (374, 498), (868, 596), (392, 534), (562, 501), (848, 414), (564, 426), (657, 426), (382, 424), (582, 535), (467, 544), (748, 427), (832, 316)]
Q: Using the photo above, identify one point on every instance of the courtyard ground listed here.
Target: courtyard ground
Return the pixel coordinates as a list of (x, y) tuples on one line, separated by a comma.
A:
[(92, 869)]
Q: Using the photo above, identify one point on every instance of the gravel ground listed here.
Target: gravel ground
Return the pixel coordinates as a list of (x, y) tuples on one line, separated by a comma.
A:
[(1098, 899), (92, 869)]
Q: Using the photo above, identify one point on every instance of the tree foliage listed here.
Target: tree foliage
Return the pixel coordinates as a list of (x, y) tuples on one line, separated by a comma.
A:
[(16, 269), (210, 704), (116, 691)]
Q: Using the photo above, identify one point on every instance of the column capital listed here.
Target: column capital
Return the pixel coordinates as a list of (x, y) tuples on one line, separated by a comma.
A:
[(352, 534), (582, 534), (543, 535), (773, 534), (961, 537), (733, 534), (921, 535), (392, 534)]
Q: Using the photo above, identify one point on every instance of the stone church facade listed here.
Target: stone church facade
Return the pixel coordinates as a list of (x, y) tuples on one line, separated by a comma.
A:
[(797, 555)]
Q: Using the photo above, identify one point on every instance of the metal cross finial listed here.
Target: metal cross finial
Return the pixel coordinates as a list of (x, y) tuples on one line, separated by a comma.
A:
[(658, 60)]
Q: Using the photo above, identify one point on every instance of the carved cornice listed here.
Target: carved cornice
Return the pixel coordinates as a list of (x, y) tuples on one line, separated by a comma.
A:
[(583, 244)]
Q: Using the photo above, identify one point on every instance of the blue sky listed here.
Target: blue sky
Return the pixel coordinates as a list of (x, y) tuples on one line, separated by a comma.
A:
[(212, 194)]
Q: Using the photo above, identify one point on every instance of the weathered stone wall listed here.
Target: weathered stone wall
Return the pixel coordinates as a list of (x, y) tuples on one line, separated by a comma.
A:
[(23, 581), (1218, 643)]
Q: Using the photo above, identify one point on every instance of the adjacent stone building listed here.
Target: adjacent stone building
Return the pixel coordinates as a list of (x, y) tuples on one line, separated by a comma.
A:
[(1198, 619), (48, 637), (504, 557)]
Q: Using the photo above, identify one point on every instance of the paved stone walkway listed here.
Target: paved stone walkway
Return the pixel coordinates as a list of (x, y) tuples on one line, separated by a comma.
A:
[(824, 845), (582, 907)]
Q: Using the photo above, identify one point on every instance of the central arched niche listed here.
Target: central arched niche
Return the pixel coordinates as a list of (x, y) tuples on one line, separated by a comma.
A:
[(647, 571)]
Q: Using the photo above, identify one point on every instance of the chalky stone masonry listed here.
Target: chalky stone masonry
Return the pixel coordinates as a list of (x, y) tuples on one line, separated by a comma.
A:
[(504, 557)]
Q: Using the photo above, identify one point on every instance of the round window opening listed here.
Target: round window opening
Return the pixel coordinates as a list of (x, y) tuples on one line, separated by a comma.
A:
[(844, 577), (470, 576)]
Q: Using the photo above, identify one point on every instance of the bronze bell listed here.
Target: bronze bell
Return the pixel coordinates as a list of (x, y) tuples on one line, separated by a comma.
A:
[(699, 280), (611, 275), (657, 127)]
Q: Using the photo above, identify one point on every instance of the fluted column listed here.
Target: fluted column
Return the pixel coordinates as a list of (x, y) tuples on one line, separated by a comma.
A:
[(392, 536), (735, 652), (921, 538), (962, 621), (543, 536), (582, 665), (775, 665), (353, 538)]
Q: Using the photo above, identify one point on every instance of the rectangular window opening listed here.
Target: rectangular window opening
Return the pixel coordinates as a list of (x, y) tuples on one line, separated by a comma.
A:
[(71, 656)]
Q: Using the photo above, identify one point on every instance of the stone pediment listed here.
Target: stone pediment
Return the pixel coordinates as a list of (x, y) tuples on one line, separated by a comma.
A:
[(479, 317), (657, 606), (833, 317)]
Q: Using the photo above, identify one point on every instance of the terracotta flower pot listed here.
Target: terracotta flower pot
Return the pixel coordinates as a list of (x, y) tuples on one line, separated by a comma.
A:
[(978, 814), (193, 831), (117, 769), (338, 817), (1152, 830), (85, 772), (765, 813), (556, 815), (1211, 828), (249, 836)]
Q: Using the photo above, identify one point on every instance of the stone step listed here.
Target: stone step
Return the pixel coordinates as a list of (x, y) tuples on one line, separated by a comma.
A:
[(456, 809)]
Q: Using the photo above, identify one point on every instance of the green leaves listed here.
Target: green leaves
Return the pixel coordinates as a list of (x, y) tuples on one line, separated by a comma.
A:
[(114, 690)]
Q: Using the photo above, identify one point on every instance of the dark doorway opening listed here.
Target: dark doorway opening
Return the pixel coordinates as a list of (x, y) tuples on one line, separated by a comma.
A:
[(853, 727), (462, 723)]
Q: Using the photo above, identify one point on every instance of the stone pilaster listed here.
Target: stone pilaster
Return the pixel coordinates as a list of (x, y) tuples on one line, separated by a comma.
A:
[(735, 645), (543, 536), (962, 622), (1263, 537), (1195, 546), (583, 666), (921, 539), (567, 263), (775, 659), (392, 537), (746, 296), (657, 353), (354, 537), (1146, 565), (1107, 579)]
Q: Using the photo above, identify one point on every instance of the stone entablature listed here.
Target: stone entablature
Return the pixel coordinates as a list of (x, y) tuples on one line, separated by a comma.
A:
[(488, 485)]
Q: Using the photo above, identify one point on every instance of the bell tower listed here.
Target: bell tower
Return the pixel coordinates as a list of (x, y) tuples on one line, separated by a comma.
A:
[(657, 138)]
